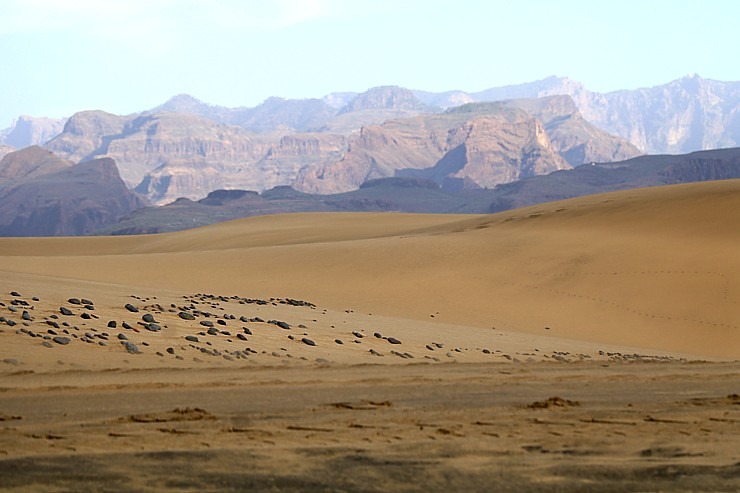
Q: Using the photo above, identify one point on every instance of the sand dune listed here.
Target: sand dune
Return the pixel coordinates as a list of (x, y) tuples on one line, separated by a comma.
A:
[(311, 352), (653, 268)]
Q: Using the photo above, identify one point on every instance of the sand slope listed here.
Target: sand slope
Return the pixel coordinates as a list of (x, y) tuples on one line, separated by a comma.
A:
[(653, 268)]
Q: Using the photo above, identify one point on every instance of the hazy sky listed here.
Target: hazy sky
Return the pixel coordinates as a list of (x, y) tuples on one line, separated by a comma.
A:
[(122, 56)]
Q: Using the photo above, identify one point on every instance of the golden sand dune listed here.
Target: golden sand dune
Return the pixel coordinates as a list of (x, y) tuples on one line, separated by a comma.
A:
[(652, 268)]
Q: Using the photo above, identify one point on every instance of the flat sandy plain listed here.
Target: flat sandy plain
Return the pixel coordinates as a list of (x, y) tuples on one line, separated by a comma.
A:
[(582, 345)]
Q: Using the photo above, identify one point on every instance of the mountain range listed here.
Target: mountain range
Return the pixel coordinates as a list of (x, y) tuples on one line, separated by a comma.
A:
[(415, 195), (461, 143)]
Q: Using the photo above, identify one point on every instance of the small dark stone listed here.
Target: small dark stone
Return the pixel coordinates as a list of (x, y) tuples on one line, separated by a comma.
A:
[(308, 341), (486, 351), (89, 307), (102, 343), (35, 298), (86, 316), (61, 340), (247, 331), (153, 327), (26, 315), (47, 344), (206, 323), (393, 340), (221, 322), (9, 322), (74, 301), (123, 337), (170, 350), (14, 293), (192, 339), (358, 335), (338, 341), (65, 311), (186, 316), (213, 331), (148, 317), (241, 337), (131, 308), (86, 302), (125, 325), (378, 335), (112, 324)]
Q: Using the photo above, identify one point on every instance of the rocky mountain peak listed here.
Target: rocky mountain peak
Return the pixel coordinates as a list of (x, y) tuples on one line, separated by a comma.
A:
[(385, 97), (29, 162)]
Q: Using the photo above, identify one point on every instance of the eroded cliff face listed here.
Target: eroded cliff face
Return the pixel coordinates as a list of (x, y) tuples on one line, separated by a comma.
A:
[(477, 146), (684, 115), (74, 200)]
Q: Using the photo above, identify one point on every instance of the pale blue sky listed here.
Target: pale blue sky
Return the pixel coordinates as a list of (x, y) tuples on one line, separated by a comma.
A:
[(62, 56)]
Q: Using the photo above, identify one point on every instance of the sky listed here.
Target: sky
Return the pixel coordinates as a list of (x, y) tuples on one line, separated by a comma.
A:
[(58, 57)]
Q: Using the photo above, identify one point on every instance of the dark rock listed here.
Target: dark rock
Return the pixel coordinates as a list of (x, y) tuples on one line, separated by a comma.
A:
[(338, 341), (47, 344), (241, 337), (358, 335), (65, 311), (282, 325), (308, 341), (86, 316), (131, 308), (61, 340), (86, 302), (148, 317), (102, 343), (186, 316), (52, 332), (112, 324), (52, 323), (153, 327), (378, 335), (192, 339), (244, 319), (206, 323), (125, 325), (35, 298), (14, 293), (13, 309), (123, 337), (221, 322), (247, 331), (393, 340), (89, 307), (74, 301), (9, 322), (26, 315), (213, 331), (130, 347), (170, 350)]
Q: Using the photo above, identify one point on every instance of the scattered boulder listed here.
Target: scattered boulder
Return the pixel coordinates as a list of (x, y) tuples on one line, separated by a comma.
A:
[(65, 311), (192, 338), (338, 341), (130, 347), (153, 327), (378, 335), (186, 316), (74, 301), (26, 315), (206, 323), (358, 335), (14, 293), (123, 337), (148, 317), (61, 340), (393, 340), (112, 324), (131, 308), (86, 302)]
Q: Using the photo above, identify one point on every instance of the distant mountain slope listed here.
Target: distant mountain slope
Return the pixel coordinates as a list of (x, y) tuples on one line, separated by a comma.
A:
[(643, 171), (471, 146), (423, 196), (28, 130), (28, 163), (683, 115), (52, 197)]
